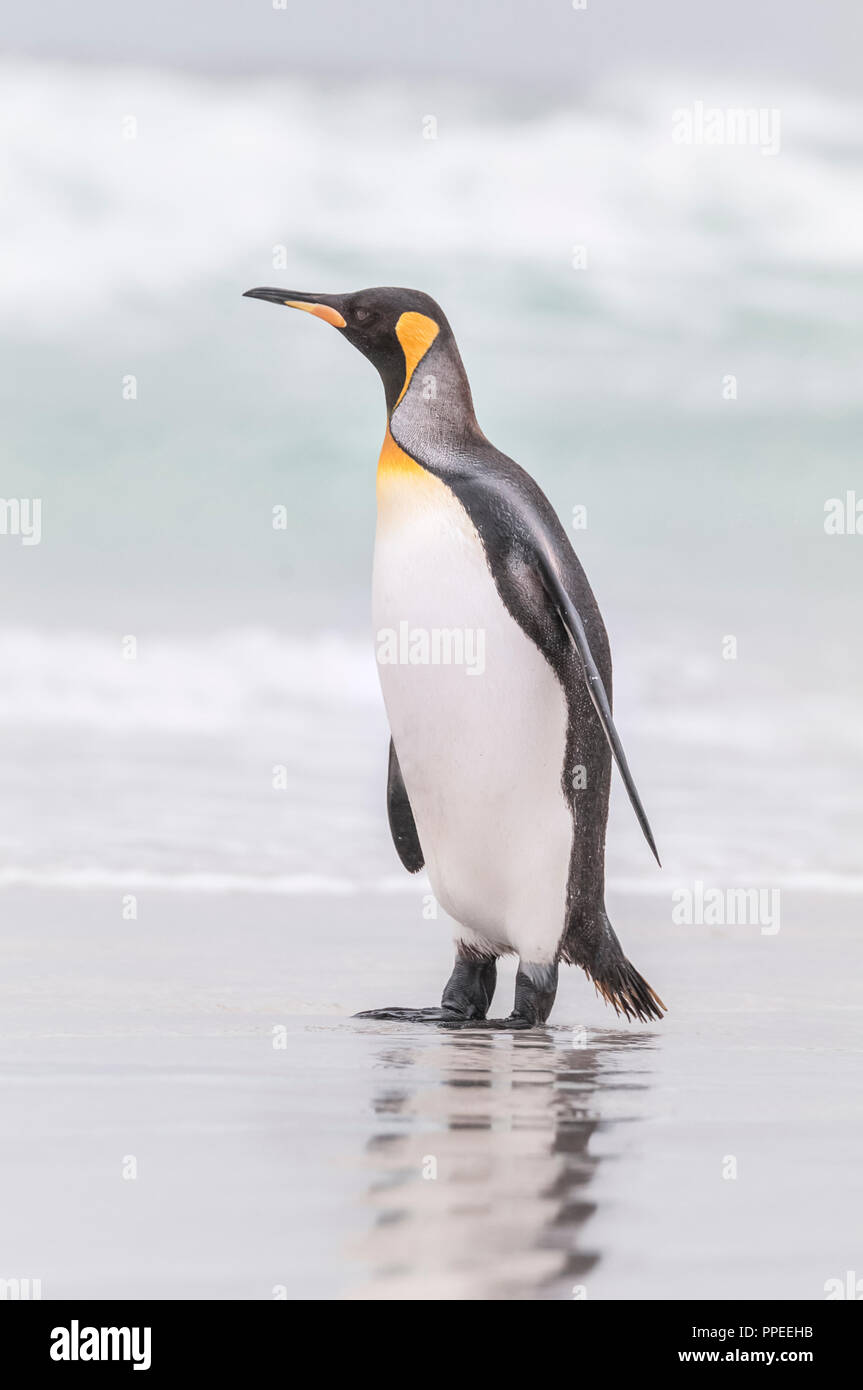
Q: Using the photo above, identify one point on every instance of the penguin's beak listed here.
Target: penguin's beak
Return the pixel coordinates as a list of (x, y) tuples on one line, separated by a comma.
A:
[(323, 306)]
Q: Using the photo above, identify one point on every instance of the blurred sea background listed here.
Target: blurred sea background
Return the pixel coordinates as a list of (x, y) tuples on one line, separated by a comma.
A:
[(603, 282), (705, 515)]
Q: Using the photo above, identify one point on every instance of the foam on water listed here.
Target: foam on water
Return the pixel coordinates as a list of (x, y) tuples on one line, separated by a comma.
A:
[(232, 166), (254, 762), (197, 685)]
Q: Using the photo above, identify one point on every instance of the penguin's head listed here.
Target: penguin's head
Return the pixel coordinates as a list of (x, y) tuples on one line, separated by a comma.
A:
[(393, 328)]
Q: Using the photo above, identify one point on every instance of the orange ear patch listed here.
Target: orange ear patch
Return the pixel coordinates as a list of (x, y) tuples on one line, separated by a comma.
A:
[(416, 333), (320, 311)]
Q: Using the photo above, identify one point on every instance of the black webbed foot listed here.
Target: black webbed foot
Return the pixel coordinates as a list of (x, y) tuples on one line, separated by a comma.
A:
[(535, 988), (467, 996), (409, 1015), (516, 1023)]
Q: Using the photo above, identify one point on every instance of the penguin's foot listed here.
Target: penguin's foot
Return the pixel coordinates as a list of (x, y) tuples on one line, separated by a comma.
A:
[(515, 1023), (466, 997), (535, 988), (410, 1015)]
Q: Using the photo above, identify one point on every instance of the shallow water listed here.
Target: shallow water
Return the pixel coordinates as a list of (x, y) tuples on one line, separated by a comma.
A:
[(583, 1160)]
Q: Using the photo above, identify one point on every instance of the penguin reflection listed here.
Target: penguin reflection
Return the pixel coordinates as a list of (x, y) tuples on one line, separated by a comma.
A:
[(483, 1168)]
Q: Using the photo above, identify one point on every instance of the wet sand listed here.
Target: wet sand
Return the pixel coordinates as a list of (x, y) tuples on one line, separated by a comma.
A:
[(383, 1161)]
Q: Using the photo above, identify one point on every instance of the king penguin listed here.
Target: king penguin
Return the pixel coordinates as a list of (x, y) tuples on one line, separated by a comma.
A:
[(499, 773)]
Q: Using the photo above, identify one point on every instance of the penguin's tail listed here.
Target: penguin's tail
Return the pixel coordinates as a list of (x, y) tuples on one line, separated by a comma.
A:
[(600, 955), (629, 994)]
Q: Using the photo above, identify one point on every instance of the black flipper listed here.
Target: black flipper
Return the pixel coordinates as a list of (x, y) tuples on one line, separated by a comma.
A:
[(593, 681), (401, 818)]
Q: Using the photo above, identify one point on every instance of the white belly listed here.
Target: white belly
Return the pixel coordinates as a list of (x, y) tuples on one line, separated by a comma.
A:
[(481, 753)]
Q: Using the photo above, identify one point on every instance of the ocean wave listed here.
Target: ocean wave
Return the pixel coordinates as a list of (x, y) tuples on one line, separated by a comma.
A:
[(235, 167), (137, 879), (253, 679), (203, 684), (93, 879)]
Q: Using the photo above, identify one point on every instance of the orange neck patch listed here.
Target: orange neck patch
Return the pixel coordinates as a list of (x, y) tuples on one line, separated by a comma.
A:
[(395, 463)]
